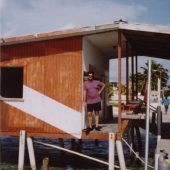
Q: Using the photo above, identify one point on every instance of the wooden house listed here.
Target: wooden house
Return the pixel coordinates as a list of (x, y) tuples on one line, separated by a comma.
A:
[(41, 89)]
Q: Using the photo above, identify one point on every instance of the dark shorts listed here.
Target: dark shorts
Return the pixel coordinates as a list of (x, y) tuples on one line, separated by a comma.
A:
[(166, 106), (96, 107)]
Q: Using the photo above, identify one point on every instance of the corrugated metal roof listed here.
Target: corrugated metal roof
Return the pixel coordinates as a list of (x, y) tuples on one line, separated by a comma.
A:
[(146, 40)]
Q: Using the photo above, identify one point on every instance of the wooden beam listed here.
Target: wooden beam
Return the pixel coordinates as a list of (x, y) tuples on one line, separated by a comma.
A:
[(119, 80), (127, 72), (136, 57), (132, 66)]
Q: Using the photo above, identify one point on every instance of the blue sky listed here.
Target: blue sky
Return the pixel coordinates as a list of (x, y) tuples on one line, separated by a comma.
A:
[(21, 17)]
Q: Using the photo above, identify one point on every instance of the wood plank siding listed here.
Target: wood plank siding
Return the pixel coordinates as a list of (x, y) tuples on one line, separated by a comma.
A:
[(51, 67)]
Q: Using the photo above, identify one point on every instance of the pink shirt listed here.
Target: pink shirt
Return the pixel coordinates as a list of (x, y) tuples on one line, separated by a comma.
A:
[(92, 91)]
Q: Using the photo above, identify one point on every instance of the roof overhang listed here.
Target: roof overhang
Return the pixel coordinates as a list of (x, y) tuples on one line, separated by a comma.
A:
[(145, 40)]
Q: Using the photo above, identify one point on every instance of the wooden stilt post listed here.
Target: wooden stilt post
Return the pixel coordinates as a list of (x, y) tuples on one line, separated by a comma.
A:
[(21, 150), (127, 73), (159, 123), (138, 138), (111, 151), (130, 139), (120, 155), (45, 163), (31, 153), (133, 136)]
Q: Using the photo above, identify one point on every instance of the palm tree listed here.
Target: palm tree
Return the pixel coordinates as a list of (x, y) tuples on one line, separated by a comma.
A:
[(141, 77), (110, 90), (157, 71)]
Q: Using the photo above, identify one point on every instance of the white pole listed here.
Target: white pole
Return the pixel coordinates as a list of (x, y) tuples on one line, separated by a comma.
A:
[(159, 103), (21, 150), (147, 115), (159, 92), (158, 138), (31, 153), (111, 150), (120, 155), (156, 161)]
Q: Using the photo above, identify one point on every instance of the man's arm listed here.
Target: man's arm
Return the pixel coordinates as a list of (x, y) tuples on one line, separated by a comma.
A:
[(102, 88)]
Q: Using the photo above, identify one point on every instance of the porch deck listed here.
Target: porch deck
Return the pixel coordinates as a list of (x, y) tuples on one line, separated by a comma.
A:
[(105, 129), (163, 144)]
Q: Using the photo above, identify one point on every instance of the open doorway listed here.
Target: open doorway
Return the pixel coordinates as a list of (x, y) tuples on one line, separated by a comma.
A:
[(95, 59)]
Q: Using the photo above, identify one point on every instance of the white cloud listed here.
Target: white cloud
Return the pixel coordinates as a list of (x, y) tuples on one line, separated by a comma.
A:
[(20, 17), (35, 16), (2, 4)]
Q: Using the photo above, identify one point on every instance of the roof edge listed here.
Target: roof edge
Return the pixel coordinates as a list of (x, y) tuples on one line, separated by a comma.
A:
[(123, 25), (58, 34)]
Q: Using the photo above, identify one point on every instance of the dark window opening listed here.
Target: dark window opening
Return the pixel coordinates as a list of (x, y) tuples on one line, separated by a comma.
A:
[(11, 82)]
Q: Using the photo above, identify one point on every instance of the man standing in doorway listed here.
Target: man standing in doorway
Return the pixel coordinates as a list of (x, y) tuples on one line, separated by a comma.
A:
[(92, 96)]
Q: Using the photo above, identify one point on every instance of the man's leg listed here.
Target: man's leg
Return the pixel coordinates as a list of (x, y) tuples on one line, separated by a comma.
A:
[(90, 119), (97, 118), (97, 108), (166, 109)]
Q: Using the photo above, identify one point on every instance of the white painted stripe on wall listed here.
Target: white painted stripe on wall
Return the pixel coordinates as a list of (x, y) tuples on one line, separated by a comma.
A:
[(50, 111)]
